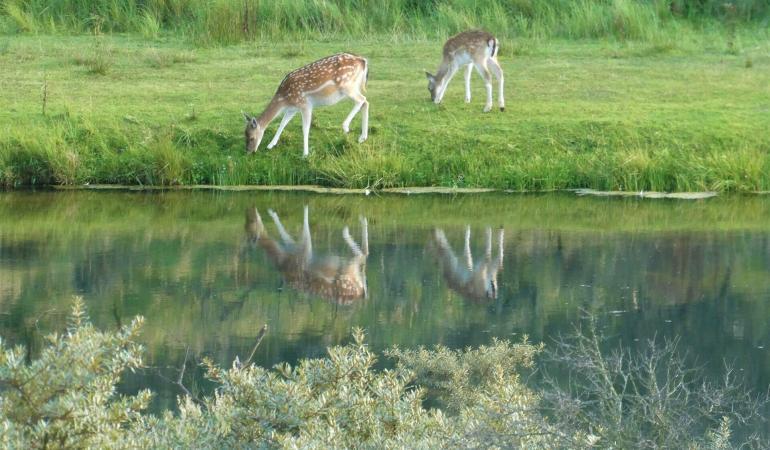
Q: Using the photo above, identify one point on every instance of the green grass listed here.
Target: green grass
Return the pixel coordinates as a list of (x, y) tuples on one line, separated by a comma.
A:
[(685, 112), (230, 21)]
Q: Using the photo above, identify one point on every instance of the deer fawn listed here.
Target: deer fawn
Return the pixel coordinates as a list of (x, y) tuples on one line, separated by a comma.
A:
[(324, 82), (473, 281), (342, 280), (472, 48)]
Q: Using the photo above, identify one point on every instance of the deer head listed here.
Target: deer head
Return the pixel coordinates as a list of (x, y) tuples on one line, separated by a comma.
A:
[(431, 85), (253, 132)]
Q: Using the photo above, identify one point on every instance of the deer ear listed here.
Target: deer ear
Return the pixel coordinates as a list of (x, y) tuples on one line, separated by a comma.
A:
[(428, 76), (246, 117), (254, 122)]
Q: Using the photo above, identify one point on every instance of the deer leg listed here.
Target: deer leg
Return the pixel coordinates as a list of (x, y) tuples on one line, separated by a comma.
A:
[(287, 116), (488, 248), (497, 71), (351, 243), (306, 242), (361, 105), (500, 237), (364, 235), (445, 249), (307, 117), (281, 230), (497, 265), (468, 70), (358, 104), (467, 251), (483, 70), (364, 121), (445, 83)]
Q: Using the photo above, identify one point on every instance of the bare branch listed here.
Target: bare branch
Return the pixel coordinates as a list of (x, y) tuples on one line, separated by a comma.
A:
[(260, 335), (181, 376)]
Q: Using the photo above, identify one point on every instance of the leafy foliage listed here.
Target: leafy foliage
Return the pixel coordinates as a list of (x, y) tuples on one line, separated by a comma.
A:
[(65, 398)]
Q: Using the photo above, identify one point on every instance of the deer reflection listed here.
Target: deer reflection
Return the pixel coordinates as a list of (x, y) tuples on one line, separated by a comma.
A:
[(477, 281), (333, 277)]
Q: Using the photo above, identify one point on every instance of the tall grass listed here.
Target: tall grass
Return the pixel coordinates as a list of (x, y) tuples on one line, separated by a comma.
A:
[(76, 151), (229, 21)]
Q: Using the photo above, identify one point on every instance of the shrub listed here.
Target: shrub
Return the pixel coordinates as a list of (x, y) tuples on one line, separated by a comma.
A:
[(649, 398), (65, 398), (433, 398)]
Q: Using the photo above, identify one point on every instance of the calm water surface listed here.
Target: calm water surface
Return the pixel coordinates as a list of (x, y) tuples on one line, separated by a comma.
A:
[(208, 269)]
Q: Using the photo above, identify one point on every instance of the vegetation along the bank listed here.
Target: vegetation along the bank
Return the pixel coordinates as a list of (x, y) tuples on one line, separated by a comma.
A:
[(605, 94), (64, 396)]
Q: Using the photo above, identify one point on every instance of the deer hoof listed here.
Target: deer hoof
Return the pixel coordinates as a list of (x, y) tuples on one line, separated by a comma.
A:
[(502, 109), (467, 99), (487, 109), (362, 139)]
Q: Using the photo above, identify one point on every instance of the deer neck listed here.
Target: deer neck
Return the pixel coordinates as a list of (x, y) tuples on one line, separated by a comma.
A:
[(273, 109), (442, 72)]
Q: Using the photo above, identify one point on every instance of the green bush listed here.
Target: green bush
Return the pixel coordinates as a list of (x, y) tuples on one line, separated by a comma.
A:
[(65, 398)]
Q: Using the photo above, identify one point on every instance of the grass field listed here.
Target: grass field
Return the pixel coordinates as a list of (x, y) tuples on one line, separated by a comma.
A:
[(676, 114)]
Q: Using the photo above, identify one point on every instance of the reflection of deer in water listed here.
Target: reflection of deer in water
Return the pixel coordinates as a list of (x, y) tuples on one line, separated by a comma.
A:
[(472, 281), (332, 277)]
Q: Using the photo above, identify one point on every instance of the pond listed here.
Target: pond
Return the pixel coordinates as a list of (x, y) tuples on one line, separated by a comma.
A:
[(208, 269)]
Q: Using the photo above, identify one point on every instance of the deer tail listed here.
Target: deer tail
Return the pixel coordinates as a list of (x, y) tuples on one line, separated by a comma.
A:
[(366, 74), (495, 47)]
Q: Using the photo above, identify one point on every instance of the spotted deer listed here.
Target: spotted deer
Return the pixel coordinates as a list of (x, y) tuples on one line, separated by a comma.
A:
[(321, 83), (474, 48), (332, 277), (473, 281)]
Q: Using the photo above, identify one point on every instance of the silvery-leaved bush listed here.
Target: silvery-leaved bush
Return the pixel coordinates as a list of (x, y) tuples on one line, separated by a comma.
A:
[(432, 398)]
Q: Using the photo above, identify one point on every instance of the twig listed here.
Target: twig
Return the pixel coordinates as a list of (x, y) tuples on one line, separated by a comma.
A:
[(45, 92), (260, 335), (181, 375)]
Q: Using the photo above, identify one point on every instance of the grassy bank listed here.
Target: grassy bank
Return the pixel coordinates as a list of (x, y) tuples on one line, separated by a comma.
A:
[(230, 21), (679, 113)]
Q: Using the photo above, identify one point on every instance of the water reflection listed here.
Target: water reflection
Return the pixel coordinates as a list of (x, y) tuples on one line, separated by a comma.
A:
[(697, 270), (475, 282), (337, 278)]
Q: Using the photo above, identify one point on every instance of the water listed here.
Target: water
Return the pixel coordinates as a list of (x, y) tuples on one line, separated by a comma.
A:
[(206, 275)]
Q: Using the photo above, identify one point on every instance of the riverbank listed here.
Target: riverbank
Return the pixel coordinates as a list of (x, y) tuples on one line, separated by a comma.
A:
[(605, 115)]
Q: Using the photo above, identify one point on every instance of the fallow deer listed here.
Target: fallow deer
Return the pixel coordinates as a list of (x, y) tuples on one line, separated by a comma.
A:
[(474, 48), (475, 282), (332, 277), (324, 82)]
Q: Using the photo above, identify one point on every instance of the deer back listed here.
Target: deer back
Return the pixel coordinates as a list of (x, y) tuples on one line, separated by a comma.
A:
[(473, 42), (321, 78)]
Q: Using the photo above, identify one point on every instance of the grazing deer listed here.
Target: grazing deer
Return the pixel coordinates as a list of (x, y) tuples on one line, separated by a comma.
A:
[(474, 282), (470, 48), (324, 82), (333, 277)]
